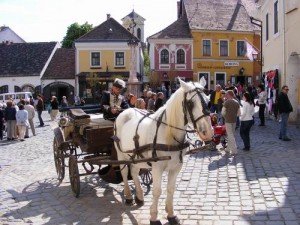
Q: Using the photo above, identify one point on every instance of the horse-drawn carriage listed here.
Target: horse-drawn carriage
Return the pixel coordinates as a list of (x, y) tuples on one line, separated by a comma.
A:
[(140, 140), (86, 139)]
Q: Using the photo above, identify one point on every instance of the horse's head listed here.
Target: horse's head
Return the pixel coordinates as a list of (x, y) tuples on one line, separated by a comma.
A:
[(195, 108)]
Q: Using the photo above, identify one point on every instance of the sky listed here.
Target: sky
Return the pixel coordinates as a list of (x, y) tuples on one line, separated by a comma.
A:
[(48, 20)]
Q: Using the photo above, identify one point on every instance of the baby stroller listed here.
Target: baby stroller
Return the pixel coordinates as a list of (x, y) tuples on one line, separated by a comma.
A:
[(220, 135)]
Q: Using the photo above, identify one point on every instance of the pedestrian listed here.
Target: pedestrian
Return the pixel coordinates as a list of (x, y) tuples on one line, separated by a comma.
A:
[(64, 104), (131, 100), (54, 108), (214, 97), (31, 101), (39, 109), (82, 102), (230, 111), (246, 118), (151, 102), (261, 102), (31, 113), (1, 121), (159, 100), (149, 93), (77, 100), (112, 102), (140, 103), (284, 108), (22, 121), (10, 118), (221, 101)]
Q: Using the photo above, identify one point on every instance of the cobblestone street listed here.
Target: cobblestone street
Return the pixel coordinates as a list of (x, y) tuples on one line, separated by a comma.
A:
[(260, 187)]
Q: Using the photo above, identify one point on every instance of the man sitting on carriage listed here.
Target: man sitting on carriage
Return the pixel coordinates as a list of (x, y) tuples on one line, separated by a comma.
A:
[(112, 102)]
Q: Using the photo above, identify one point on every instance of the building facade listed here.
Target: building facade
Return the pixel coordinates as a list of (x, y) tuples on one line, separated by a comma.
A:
[(23, 65), (214, 39), (7, 35), (102, 55), (281, 48), (171, 55), (223, 36)]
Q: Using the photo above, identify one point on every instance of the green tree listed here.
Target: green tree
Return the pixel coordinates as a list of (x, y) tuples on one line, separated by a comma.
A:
[(75, 31), (146, 62)]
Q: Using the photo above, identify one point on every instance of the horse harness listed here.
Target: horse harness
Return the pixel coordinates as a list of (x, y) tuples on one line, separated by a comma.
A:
[(187, 107)]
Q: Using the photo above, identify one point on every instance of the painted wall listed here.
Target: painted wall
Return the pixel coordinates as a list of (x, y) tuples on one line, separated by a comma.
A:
[(231, 64), (292, 51), (17, 81), (107, 61)]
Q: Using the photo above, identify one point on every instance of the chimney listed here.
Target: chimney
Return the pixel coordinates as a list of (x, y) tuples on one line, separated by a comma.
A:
[(107, 16)]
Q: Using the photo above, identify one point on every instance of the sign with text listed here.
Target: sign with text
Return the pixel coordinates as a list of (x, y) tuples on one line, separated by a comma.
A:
[(231, 63)]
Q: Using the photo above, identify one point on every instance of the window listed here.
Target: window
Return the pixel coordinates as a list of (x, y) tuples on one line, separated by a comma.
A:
[(119, 59), (267, 27), (206, 47), (17, 89), (164, 56), (139, 33), (276, 17), (180, 56), (241, 48), (223, 48), (4, 89), (95, 59)]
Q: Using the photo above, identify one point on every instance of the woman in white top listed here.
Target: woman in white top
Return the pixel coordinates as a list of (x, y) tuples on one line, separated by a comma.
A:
[(22, 121), (262, 100), (246, 119)]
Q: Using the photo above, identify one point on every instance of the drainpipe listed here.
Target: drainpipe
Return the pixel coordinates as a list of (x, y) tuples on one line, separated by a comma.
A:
[(283, 43)]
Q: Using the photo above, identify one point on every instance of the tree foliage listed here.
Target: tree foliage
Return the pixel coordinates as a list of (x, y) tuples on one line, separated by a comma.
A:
[(146, 62), (75, 31)]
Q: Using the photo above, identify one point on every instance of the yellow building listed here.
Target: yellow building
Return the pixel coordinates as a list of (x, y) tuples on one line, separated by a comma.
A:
[(221, 31), (102, 55)]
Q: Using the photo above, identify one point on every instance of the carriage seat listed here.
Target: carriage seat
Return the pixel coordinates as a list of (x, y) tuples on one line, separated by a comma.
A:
[(78, 114), (96, 122)]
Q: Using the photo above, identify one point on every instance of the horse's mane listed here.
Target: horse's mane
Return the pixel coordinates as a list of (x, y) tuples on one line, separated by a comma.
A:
[(174, 115)]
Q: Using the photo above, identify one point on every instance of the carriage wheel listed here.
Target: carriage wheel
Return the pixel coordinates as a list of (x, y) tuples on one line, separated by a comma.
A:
[(146, 176), (59, 161), (74, 175)]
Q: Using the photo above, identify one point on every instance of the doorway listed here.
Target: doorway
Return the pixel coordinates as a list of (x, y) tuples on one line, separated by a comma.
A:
[(241, 80), (62, 91), (220, 79)]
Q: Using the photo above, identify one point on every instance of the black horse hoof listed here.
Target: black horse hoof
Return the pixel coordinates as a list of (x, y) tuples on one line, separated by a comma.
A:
[(157, 222), (128, 201), (174, 220), (138, 202)]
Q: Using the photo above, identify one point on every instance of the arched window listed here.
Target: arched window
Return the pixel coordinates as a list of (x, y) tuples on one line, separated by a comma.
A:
[(180, 56), (4, 89), (164, 56), (139, 33), (18, 89)]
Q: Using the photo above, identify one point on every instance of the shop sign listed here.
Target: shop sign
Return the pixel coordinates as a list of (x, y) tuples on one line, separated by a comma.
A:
[(231, 63)]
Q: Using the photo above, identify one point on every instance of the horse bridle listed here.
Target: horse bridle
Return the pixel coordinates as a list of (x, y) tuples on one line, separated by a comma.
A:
[(188, 106)]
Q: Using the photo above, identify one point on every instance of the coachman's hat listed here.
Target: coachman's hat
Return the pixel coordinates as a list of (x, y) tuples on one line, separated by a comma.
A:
[(119, 83)]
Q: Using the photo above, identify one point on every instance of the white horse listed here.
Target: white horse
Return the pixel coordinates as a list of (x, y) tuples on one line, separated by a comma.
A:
[(141, 135)]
